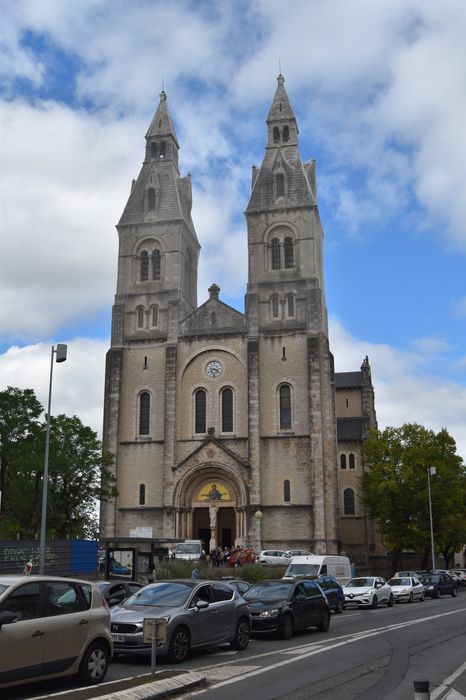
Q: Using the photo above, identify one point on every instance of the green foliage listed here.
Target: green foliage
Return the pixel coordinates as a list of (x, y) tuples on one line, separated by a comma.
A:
[(78, 471), (252, 573), (395, 488)]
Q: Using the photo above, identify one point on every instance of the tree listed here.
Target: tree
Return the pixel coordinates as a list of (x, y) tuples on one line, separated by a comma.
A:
[(395, 490), (78, 471)]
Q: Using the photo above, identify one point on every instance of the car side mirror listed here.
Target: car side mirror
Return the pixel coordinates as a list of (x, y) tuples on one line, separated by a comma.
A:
[(202, 604), (7, 617), (300, 597)]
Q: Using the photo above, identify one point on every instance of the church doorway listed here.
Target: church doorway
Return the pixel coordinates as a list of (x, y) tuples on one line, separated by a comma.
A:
[(224, 530), (201, 526), (226, 527)]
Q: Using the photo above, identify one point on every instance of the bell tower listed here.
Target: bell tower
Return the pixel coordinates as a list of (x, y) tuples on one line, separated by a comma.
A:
[(159, 250)]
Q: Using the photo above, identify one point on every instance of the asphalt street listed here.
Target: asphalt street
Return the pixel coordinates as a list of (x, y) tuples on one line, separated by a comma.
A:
[(367, 654)]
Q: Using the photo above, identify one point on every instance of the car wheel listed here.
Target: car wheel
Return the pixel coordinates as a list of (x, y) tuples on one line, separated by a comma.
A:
[(454, 593), (241, 639), (94, 664), (390, 601), (286, 627), (179, 647), (375, 602), (411, 597), (339, 607), (324, 624)]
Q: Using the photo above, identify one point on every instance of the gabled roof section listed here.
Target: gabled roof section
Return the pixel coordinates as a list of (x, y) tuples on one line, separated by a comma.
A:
[(161, 124), (214, 317), (348, 380), (211, 440)]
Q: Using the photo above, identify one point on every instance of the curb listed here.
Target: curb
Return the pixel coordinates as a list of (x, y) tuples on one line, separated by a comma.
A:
[(159, 689)]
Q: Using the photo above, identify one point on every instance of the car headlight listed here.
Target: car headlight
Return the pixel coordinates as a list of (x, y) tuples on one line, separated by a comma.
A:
[(270, 613)]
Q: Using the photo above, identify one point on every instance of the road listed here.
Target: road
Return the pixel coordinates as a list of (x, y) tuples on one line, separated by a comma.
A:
[(367, 654)]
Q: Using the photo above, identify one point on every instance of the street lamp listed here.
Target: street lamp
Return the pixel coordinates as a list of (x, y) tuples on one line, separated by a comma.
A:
[(431, 472), (258, 517), (60, 352)]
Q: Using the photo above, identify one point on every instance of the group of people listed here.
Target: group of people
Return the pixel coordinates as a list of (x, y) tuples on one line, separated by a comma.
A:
[(236, 556)]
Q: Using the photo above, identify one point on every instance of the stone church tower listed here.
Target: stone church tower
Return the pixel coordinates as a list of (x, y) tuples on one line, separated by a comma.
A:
[(223, 425)]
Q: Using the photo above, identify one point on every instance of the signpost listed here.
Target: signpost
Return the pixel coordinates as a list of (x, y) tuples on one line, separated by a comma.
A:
[(155, 633)]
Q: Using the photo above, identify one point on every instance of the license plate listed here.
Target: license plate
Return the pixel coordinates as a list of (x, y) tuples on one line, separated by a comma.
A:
[(118, 638)]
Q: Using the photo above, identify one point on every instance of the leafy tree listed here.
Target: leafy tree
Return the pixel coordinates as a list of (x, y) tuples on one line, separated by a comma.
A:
[(395, 490), (79, 472)]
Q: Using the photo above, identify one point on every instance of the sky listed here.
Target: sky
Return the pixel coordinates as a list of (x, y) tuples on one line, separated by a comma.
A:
[(379, 92)]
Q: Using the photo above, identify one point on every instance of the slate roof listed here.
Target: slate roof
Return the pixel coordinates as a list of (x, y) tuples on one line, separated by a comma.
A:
[(348, 380), (349, 428)]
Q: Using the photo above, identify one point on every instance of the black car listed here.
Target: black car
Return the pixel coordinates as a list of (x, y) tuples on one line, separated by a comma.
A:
[(333, 592), (437, 584), (285, 606), (115, 592)]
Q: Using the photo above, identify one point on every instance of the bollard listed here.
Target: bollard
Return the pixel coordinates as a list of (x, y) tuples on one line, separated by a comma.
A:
[(421, 690)]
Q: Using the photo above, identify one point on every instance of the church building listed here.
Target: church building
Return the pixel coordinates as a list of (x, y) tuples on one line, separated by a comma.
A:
[(225, 426)]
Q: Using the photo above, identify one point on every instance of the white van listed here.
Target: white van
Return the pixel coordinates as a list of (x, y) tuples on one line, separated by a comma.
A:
[(320, 565), (190, 550)]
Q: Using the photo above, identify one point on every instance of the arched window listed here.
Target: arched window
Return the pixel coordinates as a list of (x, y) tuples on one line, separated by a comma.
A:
[(153, 150), (351, 461), (285, 407), (227, 411), (286, 491), (275, 305), (289, 252), (144, 266), (290, 305), (140, 313), (162, 149), (286, 134), (156, 264), (276, 134), (155, 316), (144, 413), (348, 502), (342, 461), (280, 185), (200, 411), (151, 199), (142, 494), (276, 262)]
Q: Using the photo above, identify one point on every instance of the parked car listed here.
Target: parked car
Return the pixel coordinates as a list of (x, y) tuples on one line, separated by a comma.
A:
[(285, 606), (320, 565), (298, 552), (460, 576), (115, 592), (333, 592), (368, 592), (436, 584), (50, 627), (275, 556), (198, 614), (407, 588)]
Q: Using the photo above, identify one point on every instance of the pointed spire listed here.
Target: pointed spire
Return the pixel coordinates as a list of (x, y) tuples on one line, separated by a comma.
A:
[(162, 124), (281, 108)]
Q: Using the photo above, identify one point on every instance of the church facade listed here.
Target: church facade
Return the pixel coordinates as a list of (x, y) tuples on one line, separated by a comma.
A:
[(231, 427)]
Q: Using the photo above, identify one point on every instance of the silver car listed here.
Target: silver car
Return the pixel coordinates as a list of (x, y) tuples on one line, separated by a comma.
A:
[(197, 613), (50, 627)]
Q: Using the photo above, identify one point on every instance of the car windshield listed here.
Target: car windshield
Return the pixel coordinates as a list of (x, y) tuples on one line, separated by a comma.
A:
[(399, 582), (163, 594), (302, 570), (429, 578), (268, 591), (187, 549), (360, 583)]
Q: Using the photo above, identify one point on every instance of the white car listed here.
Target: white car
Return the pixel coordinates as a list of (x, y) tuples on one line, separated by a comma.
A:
[(275, 556), (460, 576), (368, 592), (406, 588), (299, 552)]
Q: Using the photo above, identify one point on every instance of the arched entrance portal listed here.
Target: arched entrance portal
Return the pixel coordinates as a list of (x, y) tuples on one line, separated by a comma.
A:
[(211, 508)]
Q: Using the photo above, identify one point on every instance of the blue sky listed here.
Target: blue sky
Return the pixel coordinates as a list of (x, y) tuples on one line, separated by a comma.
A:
[(379, 91)]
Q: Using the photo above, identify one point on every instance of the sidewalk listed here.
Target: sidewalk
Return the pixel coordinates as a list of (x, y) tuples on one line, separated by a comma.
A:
[(165, 687)]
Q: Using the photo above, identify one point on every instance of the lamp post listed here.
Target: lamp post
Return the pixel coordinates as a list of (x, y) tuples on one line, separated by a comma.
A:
[(258, 517), (431, 472), (60, 352)]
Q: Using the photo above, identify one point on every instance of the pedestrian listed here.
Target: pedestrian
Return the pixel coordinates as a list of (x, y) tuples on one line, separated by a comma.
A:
[(27, 568), (195, 575), (152, 574)]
